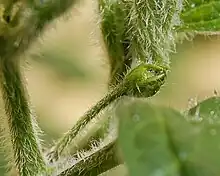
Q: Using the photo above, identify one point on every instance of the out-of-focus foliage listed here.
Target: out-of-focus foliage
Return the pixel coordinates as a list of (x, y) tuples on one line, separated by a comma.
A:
[(158, 140), (208, 108), (201, 16), (64, 64)]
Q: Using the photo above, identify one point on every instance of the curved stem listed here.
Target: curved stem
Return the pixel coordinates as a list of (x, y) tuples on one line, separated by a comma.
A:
[(22, 125), (84, 120), (95, 163), (94, 131), (145, 80)]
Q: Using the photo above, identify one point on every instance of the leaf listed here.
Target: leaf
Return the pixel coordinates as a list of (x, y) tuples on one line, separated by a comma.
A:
[(207, 110), (201, 16), (159, 140), (205, 158), (143, 140)]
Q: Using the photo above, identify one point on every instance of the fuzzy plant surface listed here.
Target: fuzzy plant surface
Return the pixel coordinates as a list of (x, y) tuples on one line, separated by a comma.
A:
[(140, 36)]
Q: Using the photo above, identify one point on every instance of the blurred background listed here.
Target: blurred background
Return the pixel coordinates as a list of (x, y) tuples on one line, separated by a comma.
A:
[(67, 71)]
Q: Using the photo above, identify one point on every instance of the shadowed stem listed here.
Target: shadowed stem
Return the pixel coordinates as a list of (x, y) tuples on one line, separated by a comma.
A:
[(25, 143), (95, 163)]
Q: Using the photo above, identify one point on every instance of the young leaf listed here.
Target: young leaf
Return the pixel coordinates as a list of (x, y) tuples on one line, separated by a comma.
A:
[(205, 158), (163, 141), (143, 140), (207, 110), (201, 16)]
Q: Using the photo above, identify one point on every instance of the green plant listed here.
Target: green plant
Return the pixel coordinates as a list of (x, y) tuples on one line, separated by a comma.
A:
[(139, 35)]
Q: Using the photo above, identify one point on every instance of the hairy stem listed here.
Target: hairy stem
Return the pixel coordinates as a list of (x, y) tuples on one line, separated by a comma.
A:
[(113, 26), (94, 131), (150, 29), (95, 163), (22, 125), (21, 22), (137, 31), (84, 120), (144, 80)]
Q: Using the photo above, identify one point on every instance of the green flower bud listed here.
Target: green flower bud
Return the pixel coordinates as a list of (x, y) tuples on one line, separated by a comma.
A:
[(145, 80)]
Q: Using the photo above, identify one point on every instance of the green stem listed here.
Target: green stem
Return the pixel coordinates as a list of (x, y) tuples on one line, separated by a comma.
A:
[(14, 41), (94, 131), (95, 163), (22, 124), (84, 120), (145, 80), (113, 23)]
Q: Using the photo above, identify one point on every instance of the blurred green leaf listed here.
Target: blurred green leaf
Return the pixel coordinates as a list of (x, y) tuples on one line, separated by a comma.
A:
[(158, 140), (207, 110), (144, 142), (62, 63), (201, 16), (205, 158)]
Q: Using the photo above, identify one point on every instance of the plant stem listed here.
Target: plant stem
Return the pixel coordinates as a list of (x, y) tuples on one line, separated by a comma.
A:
[(84, 120), (94, 131), (22, 125), (95, 163), (113, 25), (145, 80)]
